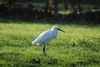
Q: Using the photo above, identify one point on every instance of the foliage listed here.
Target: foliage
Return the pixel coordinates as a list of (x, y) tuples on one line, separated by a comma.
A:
[(79, 46), (31, 10)]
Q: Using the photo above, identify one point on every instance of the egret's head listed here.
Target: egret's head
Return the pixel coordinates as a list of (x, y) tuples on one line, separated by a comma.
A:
[(56, 28)]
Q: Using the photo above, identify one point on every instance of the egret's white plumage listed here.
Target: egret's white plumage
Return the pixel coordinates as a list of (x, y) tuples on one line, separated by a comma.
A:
[(46, 36)]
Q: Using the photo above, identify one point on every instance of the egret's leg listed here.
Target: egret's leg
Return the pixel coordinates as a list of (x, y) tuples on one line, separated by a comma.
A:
[(44, 52)]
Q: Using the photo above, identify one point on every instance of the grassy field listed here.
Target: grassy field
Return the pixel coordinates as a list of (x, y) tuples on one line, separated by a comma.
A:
[(78, 47)]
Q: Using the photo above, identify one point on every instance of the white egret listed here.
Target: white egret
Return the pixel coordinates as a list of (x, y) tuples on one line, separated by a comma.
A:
[(46, 36)]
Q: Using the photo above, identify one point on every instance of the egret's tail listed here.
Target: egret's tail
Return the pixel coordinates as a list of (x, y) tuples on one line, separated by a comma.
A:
[(35, 43)]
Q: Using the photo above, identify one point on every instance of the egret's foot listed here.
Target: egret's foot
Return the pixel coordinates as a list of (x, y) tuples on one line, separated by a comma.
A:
[(44, 54)]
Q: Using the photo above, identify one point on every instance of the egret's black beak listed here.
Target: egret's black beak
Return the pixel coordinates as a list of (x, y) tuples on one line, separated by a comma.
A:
[(61, 30)]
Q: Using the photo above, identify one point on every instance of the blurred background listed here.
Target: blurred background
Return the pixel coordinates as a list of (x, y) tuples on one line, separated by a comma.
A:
[(56, 10)]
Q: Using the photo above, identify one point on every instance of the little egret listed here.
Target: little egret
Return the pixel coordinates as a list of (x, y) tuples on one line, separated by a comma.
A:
[(46, 36)]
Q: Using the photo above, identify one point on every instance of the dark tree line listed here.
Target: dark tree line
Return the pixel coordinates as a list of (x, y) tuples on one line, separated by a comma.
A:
[(15, 9)]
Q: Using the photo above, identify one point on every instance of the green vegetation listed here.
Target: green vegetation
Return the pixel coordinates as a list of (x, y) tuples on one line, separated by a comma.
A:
[(79, 46)]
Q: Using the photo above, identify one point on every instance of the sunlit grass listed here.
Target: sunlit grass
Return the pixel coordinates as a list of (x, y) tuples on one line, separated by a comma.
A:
[(64, 12), (79, 46)]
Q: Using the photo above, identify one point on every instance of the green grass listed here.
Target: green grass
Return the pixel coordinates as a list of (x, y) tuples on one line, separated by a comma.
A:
[(79, 46)]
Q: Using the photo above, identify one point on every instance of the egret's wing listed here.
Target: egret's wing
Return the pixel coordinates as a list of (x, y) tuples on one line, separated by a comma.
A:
[(44, 34), (42, 38)]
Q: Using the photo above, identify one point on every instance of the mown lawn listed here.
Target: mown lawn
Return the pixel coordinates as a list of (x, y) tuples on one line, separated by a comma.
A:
[(78, 47)]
